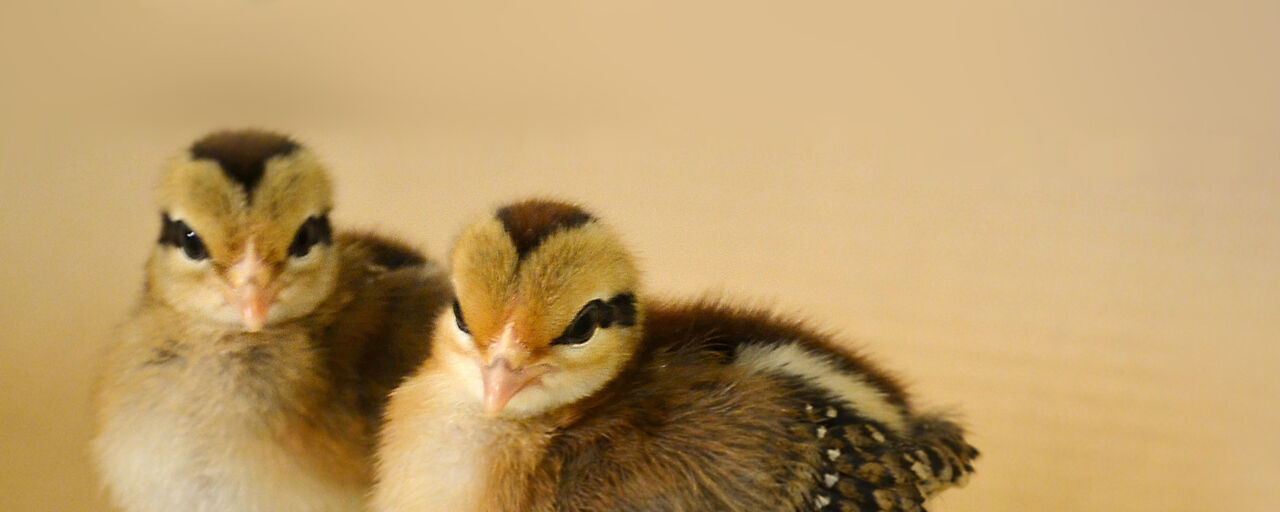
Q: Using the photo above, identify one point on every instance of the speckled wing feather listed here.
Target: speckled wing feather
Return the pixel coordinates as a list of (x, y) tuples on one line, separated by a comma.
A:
[(864, 467)]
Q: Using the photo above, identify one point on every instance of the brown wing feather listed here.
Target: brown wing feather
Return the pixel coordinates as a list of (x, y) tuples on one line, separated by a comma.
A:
[(864, 467), (688, 435), (683, 429), (382, 332)]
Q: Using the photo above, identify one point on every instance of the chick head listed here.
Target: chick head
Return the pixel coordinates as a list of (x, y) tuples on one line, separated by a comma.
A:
[(546, 310), (245, 236)]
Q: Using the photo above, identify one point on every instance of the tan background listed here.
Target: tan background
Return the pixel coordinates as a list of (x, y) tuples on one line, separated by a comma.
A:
[(1061, 221)]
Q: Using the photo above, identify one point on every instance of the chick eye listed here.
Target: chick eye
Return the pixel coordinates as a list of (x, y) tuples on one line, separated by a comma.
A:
[(583, 325), (315, 230), (457, 317), (177, 234)]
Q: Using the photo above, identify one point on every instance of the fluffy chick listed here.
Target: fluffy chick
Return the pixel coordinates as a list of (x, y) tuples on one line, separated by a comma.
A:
[(553, 387), (253, 373)]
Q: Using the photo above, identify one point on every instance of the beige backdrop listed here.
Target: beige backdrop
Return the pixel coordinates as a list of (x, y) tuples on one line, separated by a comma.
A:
[(1059, 220)]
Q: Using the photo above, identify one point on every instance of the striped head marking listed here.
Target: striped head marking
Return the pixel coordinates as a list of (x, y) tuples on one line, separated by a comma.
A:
[(245, 235), (546, 306)]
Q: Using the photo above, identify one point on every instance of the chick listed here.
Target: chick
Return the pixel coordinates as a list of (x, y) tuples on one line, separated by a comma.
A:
[(552, 386), (253, 373)]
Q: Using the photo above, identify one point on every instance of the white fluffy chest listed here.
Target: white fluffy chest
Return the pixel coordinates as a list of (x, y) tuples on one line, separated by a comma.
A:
[(156, 463), (189, 439), (434, 456)]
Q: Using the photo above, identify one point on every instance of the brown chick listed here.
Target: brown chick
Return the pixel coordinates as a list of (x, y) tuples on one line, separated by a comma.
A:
[(253, 374), (553, 387)]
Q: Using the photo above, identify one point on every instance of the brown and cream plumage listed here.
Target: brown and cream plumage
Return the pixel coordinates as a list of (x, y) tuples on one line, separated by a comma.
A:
[(554, 386), (254, 371)]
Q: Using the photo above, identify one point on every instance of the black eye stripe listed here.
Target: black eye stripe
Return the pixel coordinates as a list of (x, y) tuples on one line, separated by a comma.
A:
[(620, 309), (623, 309), (457, 317), (583, 325), (176, 233), (315, 230)]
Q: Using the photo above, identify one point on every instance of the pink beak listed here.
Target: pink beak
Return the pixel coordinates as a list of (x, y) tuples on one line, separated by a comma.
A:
[(502, 383), (253, 304), (248, 291)]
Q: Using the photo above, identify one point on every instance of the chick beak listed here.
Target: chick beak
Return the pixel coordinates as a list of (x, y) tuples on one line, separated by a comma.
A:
[(253, 304), (501, 383), (249, 291)]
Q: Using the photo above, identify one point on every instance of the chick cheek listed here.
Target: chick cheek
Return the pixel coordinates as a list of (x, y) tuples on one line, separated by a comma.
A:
[(501, 384)]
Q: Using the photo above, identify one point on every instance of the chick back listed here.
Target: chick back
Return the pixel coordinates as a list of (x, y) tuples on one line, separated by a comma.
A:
[(697, 422), (383, 331)]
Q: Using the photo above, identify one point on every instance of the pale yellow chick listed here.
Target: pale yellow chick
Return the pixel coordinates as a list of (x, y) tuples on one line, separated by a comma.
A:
[(253, 373)]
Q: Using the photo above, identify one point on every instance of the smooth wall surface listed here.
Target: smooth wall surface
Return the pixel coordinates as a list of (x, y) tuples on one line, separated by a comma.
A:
[(1058, 219)]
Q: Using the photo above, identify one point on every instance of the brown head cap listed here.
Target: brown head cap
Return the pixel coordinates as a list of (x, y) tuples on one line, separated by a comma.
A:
[(530, 222), (243, 154)]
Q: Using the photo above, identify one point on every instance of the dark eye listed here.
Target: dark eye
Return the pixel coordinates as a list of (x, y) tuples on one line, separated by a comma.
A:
[(177, 234), (583, 325), (192, 245), (457, 316), (315, 230)]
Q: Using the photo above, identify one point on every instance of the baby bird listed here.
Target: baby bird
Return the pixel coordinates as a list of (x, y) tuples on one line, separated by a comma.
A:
[(254, 371), (553, 386)]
